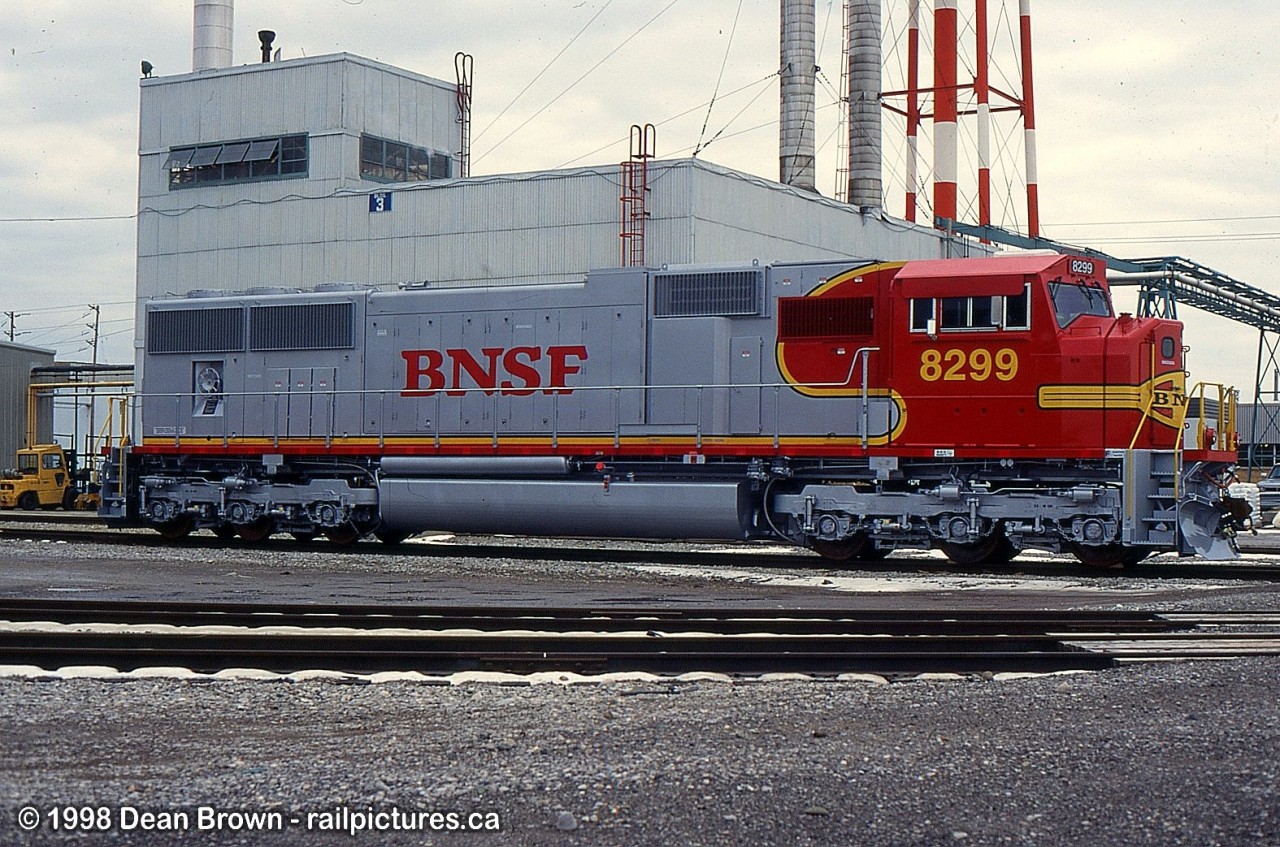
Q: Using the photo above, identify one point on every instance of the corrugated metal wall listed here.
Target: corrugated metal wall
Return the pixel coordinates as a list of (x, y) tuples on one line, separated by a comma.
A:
[(16, 362)]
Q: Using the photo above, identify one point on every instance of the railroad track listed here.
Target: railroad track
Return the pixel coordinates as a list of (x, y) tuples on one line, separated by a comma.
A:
[(82, 531), (53, 634)]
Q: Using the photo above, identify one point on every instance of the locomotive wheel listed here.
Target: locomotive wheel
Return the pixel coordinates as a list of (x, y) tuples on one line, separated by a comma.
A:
[(1109, 555), (854, 548), (259, 530), (995, 549), (225, 531), (29, 501), (175, 529), (344, 535)]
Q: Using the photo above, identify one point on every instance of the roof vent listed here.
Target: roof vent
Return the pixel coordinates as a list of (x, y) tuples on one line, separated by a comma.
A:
[(266, 36)]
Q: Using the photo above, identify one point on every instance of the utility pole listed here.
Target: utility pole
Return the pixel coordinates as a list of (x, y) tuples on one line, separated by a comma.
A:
[(13, 319), (97, 313)]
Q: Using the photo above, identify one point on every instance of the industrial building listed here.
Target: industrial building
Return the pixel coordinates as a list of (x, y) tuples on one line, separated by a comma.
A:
[(16, 363), (354, 175)]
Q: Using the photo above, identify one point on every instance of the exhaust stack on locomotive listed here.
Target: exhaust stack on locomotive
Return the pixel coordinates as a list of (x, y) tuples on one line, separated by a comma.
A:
[(980, 406)]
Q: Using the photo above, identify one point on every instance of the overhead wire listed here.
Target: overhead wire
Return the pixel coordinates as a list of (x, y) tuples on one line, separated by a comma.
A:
[(1174, 221), (575, 83), (764, 125), (668, 120), (72, 218), (719, 78), (538, 76), (729, 123)]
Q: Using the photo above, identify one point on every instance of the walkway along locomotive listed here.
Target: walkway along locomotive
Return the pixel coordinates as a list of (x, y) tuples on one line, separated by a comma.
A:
[(980, 406)]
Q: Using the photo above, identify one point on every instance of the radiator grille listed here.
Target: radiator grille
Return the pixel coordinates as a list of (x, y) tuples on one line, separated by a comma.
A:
[(308, 326), (681, 295), (824, 317), (195, 330)]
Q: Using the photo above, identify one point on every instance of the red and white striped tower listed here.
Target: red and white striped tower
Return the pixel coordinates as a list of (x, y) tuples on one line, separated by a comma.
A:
[(1029, 120), (945, 147), (982, 88), (913, 104)]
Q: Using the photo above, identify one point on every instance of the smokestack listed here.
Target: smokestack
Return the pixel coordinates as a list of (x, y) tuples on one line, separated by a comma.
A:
[(945, 147), (864, 104), (799, 72), (212, 36)]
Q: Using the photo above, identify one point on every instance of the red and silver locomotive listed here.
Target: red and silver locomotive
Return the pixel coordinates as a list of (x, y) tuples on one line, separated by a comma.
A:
[(980, 406)]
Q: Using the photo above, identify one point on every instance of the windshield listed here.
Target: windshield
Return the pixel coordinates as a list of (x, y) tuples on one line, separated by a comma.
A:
[(1072, 301)]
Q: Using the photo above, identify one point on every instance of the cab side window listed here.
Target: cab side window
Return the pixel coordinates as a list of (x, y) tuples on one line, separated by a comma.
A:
[(921, 314), (1017, 310), (959, 314)]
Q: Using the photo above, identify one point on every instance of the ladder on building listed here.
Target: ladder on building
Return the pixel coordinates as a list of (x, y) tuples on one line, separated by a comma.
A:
[(635, 191), (462, 65)]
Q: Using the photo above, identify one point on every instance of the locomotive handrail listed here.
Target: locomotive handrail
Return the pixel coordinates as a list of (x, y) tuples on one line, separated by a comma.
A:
[(1223, 433), (331, 398)]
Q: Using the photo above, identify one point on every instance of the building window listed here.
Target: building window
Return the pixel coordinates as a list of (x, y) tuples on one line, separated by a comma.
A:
[(238, 161), (392, 161)]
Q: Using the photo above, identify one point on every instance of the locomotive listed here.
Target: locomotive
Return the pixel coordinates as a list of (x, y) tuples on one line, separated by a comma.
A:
[(980, 406)]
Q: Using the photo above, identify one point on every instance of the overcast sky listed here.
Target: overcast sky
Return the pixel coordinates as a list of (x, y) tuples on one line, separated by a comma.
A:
[(1148, 113)]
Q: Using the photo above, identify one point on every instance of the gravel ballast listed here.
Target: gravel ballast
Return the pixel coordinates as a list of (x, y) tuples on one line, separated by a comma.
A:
[(1150, 754)]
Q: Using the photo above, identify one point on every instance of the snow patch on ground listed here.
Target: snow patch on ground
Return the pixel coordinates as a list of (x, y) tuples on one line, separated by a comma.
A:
[(899, 583)]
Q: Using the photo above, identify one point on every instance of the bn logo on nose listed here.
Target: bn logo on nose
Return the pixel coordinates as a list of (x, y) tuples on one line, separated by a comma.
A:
[(1168, 393)]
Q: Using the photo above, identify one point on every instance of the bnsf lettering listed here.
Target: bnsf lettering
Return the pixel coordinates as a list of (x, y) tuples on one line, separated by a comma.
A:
[(512, 370)]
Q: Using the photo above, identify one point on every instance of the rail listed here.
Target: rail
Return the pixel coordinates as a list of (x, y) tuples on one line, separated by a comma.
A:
[(291, 639), (711, 413)]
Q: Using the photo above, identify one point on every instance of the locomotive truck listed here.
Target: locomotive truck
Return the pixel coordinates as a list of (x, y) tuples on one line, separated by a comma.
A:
[(978, 406)]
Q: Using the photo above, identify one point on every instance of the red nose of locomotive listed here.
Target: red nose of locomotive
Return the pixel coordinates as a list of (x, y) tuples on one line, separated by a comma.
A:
[(1115, 382), (1146, 376)]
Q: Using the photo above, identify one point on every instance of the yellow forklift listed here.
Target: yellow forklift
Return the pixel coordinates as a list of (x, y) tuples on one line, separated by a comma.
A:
[(47, 477)]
